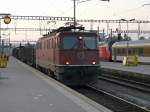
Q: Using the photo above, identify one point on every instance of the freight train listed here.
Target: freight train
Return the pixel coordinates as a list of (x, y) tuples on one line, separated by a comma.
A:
[(25, 53), (69, 54)]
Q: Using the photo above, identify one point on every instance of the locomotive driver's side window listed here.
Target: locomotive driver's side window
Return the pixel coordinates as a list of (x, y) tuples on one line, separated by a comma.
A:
[(70, 42), (90, 42)]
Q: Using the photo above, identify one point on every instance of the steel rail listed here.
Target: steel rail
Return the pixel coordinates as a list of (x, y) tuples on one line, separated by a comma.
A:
[(127, 80), (114, 96), (129, 84)]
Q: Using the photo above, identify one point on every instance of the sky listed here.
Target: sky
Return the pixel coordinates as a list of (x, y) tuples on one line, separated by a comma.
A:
[(94, 9), (89, 9)]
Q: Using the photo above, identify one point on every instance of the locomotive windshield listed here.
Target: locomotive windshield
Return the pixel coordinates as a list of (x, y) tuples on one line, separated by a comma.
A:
[(73, 42), (70, 42), (90, 42)]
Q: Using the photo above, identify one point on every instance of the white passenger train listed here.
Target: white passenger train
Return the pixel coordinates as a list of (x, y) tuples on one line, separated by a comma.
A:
[(141, 48)]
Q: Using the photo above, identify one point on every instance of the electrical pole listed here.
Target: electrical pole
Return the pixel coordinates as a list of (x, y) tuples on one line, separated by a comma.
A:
[(74, 13), (0, 39)]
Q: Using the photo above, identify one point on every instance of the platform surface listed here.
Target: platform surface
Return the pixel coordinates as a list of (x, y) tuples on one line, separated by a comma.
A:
[(24, 89), (142, 69)]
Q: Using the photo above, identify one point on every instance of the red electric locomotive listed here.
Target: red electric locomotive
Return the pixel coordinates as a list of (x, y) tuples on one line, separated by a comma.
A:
[(70, 54), (105, 52)]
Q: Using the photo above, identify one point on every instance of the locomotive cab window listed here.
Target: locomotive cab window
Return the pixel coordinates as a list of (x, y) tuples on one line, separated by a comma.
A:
[(90, 42), (84, 42), (70, 42)]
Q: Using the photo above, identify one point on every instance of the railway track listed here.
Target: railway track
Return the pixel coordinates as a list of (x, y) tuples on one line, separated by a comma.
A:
[(110, 98), (131, 104), (135, 93), (128, 83), (114, 103)]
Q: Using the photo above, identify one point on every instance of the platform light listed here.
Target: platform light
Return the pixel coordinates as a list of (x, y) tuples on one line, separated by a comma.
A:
[(67, 62)]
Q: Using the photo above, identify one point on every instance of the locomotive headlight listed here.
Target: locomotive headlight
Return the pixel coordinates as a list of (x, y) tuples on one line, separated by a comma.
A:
[(67, 63), (93, 62), (80, 38)]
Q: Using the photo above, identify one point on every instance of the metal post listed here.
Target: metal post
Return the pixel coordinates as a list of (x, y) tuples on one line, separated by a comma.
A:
[(127, 36), (107, 28), (9, 43), (119, 27), (103, 33), (139, 28), (127, 41), (127, 49), (40, 27), (111, 33), (74, 13), (2, 46), (0, 37), (127, 29), (91, 25)]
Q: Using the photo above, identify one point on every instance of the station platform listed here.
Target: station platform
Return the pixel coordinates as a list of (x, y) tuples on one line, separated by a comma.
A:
[(140, 71), (25, 89)]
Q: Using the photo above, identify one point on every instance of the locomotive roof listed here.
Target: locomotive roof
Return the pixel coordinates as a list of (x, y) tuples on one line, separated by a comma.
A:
[(68, 30), (69, 33), (77, 32), (132, 43)]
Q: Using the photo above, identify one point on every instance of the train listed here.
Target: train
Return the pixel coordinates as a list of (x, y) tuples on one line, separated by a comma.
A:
[(141, 48), (25, 53), (105, 53), (105, 50), (69, 54), (117, 50)]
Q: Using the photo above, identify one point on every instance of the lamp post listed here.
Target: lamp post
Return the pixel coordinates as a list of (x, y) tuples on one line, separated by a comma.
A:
[(7, 37), (127, 35), (146, 4), (74, 8), (127, 23), (7, 20)]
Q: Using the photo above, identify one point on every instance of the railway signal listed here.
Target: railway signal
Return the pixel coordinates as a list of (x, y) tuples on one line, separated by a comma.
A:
[(7, 19)]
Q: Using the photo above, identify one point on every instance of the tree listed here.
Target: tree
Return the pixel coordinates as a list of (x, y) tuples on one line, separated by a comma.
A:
[(127, 38), (142, 38), (120, 37)]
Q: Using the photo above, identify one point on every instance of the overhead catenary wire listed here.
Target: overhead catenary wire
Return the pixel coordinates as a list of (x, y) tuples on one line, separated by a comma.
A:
[(66, 11), (90, 5), (51, 4), (70, 9), (126, 11), (147, 4)]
